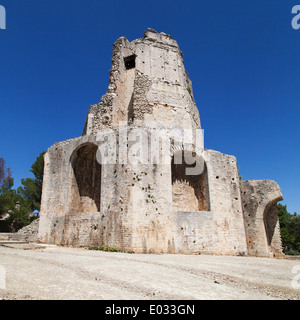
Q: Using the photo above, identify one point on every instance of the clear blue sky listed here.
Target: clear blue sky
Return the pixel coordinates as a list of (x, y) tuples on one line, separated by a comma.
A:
[(243, 58)]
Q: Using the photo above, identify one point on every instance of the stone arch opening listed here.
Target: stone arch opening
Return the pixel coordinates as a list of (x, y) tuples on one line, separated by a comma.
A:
[(270, 218), (190, 190), (87, 178)]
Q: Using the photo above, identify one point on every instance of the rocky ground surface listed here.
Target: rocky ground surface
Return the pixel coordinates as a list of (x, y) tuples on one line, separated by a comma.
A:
[(35, 271)]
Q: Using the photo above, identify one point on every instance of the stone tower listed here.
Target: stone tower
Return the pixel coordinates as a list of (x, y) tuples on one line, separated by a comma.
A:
[(139, 178)]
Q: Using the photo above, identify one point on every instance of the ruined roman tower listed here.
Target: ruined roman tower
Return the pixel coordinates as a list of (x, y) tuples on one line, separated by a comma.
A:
[(125, 183)]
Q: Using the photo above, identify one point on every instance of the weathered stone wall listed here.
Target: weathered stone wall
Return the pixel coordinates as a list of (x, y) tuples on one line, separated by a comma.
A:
[(138, 211), (259, 198), (134, 208), (221, 229)]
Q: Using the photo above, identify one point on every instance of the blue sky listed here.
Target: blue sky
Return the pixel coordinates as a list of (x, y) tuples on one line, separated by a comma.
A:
[(242, 57)]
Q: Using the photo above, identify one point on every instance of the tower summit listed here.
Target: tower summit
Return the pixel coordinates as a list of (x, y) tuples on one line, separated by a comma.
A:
[(147, 83)]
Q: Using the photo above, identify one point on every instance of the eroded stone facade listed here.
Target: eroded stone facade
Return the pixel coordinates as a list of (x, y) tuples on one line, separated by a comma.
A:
[(153, 206)]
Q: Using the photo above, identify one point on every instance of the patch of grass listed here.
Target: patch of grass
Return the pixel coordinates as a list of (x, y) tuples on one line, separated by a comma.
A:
[(106, 249)]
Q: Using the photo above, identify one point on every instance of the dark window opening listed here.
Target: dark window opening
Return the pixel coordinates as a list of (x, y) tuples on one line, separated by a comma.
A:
[(129, 62)]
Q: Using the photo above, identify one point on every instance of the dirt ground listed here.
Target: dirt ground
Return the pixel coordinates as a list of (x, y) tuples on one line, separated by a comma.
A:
[(32, 271)]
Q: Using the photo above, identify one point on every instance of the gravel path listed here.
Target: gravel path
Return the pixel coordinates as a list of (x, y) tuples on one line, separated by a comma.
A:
[(49, 272)]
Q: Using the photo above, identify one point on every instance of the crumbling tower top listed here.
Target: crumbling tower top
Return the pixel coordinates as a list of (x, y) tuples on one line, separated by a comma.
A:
[(148, 85)]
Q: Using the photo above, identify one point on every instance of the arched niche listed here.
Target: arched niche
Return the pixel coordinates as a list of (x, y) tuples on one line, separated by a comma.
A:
[(87, 179), (190, 189)]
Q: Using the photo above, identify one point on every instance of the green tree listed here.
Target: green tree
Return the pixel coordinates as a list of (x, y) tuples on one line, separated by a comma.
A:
[(5, 175), (290, 230), (14, 209), (32, 187), (17, 206)]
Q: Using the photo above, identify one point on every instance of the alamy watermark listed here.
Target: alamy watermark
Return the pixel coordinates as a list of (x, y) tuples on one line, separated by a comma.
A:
[(296, 19), (2, 278), (151, 146), (2, 17)]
